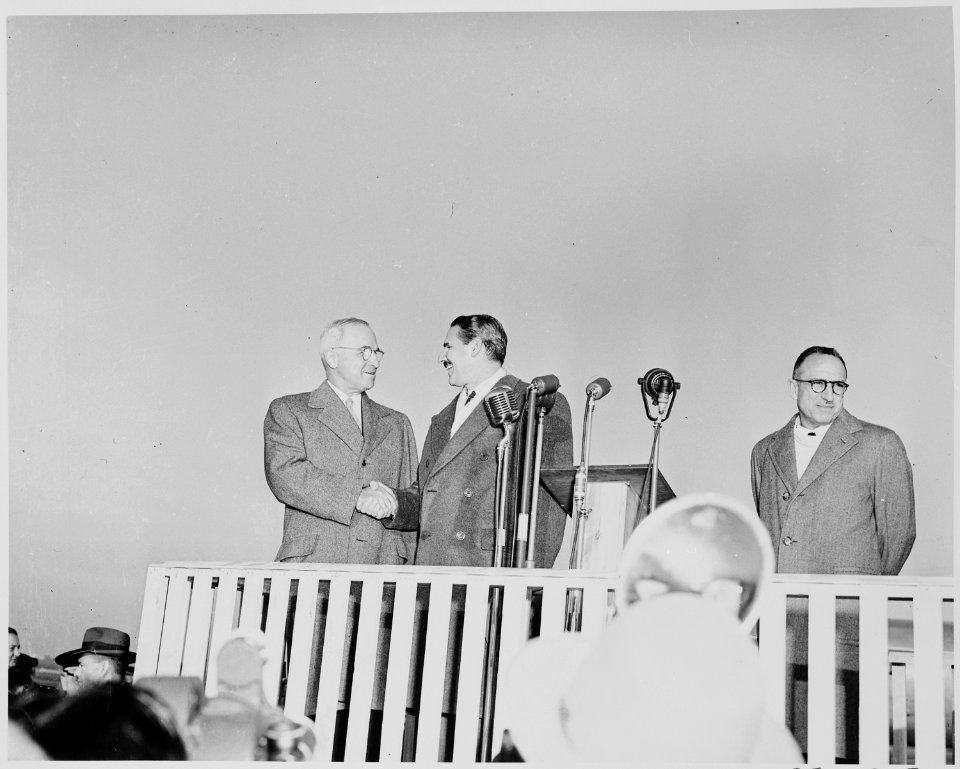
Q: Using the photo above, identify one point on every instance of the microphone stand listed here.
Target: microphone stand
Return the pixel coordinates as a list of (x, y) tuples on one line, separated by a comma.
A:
[(659, 391), (526, 519), (500, 510), (544, 404), (580, 487)]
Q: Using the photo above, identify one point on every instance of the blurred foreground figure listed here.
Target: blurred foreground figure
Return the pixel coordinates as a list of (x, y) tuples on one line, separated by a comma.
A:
[(674, 677), (706, 544), (109, 721), (672, 680)]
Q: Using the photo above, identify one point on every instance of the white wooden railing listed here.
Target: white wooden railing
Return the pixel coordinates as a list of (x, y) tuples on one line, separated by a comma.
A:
[(189, 609)]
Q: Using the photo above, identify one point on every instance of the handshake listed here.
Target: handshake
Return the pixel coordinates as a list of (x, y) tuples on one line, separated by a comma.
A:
[(377, 501)]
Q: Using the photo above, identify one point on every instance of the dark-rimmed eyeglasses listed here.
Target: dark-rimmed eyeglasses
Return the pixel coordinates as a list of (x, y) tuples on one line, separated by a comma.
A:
[(366, 352), (819, 385)]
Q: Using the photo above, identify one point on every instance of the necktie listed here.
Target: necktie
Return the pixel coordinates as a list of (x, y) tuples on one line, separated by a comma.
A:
[(349, 404), (472, 393)]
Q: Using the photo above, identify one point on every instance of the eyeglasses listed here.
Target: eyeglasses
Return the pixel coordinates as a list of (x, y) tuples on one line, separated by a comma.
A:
[(819, 385), (366, 352)]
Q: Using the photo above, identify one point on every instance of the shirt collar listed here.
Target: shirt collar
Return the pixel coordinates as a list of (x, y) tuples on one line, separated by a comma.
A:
[(340, 393), (485, 386)]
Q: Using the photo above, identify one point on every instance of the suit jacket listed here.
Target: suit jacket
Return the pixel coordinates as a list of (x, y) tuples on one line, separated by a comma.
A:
[(852, 512), (316, 462), (454, 499)]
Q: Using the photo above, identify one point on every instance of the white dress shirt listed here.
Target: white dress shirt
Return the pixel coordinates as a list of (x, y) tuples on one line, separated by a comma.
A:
[(805, 443), (481, 391), (354, 405)]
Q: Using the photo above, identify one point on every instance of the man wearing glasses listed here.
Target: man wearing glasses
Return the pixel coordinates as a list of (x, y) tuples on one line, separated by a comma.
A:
[(333, 455), (836, 495)]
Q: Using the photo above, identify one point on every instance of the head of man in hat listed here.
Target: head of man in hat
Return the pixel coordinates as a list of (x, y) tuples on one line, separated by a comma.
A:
[(103, 656)]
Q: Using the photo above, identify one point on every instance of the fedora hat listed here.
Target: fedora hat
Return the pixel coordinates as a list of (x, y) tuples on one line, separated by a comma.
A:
[(104, 641)]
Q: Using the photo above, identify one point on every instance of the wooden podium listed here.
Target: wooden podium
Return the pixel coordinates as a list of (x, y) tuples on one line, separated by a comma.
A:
[(613, 496)]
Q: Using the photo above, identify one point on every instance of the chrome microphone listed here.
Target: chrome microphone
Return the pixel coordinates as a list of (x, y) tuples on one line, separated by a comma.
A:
[(545, 385), (501, 406), (598, 388), (659, 390)]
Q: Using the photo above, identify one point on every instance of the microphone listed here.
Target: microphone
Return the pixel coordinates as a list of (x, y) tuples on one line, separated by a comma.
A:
[(545, 403), (598, 388), (659, 388), (545, 385), (501, 406)]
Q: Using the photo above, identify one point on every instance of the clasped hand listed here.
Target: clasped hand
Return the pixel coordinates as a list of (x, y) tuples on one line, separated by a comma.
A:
[(377, 501)]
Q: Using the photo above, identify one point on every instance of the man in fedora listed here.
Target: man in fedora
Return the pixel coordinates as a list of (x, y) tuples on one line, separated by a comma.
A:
[(103, 656)]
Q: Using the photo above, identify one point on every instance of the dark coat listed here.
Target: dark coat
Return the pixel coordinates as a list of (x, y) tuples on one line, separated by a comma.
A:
[(454, 500)]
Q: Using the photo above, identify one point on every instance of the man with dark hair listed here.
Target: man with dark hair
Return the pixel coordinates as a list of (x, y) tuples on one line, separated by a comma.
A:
[(454, 499), (836, 495)]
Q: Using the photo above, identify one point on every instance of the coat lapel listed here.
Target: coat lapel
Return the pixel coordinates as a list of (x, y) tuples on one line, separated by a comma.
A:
[(373, 432), (475, 424), (839, 439), (336, 417), (784, 456)]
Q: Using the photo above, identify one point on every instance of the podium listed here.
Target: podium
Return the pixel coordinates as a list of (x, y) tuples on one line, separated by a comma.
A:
[(613, 496)]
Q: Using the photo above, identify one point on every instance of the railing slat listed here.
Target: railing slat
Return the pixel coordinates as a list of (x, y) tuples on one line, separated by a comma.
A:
[(472, 661), (552, 612), (301, 645), (595, 607), (277, 608), (398, 666), (821, 675), (435, 656), (930, 718), (196, 643), (772, 639), (361, 692), (226, 604), (873, 672), (513, 634), (151, 621), (251, 602), (331, 664)]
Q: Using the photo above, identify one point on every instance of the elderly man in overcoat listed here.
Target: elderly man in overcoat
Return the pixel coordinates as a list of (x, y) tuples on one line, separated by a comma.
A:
[(836, 495), (332, 457)]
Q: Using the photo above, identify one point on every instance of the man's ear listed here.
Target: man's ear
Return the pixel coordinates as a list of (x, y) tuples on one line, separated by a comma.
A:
[(476, 345), (794, 388), (330, 358)]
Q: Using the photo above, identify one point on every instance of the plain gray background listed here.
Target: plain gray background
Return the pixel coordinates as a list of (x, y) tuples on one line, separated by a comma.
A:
[(191, 199)]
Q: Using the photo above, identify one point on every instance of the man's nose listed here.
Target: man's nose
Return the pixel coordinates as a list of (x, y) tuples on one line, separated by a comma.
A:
[(828, 394)]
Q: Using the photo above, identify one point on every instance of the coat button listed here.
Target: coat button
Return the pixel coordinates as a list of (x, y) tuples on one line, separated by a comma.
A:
[(786, 495), (460, 535), (468, 492), (787, 541), (424, 535)]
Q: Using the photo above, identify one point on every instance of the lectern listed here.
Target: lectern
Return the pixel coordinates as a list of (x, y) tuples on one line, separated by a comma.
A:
[(614, 494)]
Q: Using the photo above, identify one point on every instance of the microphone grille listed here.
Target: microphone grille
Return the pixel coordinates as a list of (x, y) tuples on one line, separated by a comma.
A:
[(501, 406)]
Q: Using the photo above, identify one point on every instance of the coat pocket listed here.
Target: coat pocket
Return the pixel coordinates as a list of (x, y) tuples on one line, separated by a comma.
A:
[(298, 549)]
